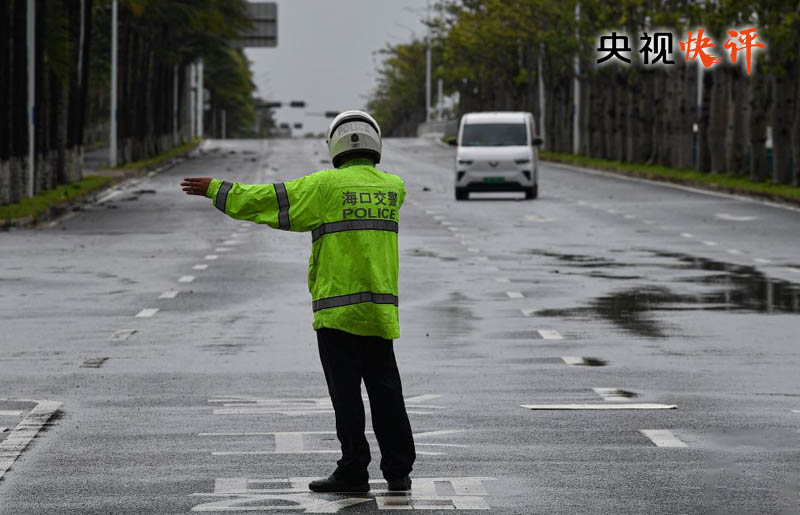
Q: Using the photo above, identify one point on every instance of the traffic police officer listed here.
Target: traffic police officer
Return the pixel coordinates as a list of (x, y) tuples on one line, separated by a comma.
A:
[(352, 212)]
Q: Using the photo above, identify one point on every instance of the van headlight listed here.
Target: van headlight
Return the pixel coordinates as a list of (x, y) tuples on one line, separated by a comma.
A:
[(522, 161)]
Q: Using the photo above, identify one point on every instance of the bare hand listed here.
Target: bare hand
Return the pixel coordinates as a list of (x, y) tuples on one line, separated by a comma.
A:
[(196, 185)]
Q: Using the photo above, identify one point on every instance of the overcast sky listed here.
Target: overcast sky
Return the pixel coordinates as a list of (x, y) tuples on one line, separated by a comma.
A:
[(325, 53)]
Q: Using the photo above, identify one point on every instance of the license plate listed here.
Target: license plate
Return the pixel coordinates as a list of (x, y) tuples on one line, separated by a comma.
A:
[(493, 180)]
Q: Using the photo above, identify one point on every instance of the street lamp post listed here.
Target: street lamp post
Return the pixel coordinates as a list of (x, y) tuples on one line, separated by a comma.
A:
[(112, 143), (31, 37)]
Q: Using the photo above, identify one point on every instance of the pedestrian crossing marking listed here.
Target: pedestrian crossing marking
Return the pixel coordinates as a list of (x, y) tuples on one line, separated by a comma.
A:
[(19, 438), (632, 406), (253, 405), (663, 438)]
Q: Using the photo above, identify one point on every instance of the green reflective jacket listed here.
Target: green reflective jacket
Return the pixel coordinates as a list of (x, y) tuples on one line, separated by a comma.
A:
[(353, 214)]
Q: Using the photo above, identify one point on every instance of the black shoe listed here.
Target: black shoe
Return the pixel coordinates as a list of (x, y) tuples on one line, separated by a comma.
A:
[(332, 484), (399, 485)]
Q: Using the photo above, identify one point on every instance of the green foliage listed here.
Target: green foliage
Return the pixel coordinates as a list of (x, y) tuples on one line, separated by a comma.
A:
[(160, 158), (726, 182), (35, 206)]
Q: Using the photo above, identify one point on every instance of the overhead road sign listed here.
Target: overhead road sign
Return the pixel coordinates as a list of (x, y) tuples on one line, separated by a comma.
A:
[(264, 33), (297, 103)]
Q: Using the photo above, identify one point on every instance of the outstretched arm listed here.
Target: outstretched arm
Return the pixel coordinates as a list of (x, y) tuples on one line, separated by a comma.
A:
[(290, 206)]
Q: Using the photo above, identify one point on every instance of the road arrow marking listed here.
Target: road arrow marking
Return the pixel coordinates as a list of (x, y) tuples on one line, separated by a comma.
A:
[(663, 438)]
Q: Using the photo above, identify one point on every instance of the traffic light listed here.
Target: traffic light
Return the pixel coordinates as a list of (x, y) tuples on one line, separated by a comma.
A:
[(331, 114), (272, 105), (284, 126), (298, 126), (297, 103)]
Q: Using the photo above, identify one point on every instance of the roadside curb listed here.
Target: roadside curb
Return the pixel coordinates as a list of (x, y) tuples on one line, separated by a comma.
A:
[(73, 204), (715, 188)]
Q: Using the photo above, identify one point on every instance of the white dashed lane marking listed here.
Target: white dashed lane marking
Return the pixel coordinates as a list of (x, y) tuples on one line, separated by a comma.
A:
[(735, 252), (473, 249), (762, 260), (515, 294), (26, 430), (222, 249), (231, 242), (199, 267), (186, 279), (211, 257), (549, 334), (3, 429), (169, 294), (612, 394), (626, 406), (687, 235), (710, 243), (147, 313), (663, 438), (122, 334), (492, 269), (503, 280)]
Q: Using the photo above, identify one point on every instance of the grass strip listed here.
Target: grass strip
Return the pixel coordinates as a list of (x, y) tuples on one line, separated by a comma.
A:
[(169, 154), (39, 204), (718, 182)]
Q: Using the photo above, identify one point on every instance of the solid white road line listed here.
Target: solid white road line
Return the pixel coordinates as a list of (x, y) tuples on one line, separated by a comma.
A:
[(211, 257), (515, 294), (146, 313), (169, 294), (549, 334), (597, 406), (199, 267), (186, 279), (26, 430), (663, 438), (10, 413), (122, 334)]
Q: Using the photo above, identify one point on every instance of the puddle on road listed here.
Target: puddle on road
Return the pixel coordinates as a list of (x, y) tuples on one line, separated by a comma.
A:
[(729, 287)]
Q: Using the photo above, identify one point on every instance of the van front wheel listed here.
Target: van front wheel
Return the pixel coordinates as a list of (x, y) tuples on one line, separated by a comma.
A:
[(462, 193), (532, 192)]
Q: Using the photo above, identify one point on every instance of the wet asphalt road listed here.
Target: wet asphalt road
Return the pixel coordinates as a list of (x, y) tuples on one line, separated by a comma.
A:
[(604, 291)]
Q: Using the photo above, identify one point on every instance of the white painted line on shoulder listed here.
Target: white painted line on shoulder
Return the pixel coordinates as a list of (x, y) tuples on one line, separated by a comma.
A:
[(10, 413), (169, 294), (121, 335), (735, 218), (199, 267), (211, 257), (663, 438), (709, 243), (146, 313), (26, 430), (762, 260), (549, 334), (597, 406), (186, 279), (222, 249), (735, 252), (792, 269), (502, 279), (515, 294), (687, 235)]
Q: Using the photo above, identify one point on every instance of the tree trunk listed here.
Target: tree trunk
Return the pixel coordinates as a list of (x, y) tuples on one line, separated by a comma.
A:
[(739, 114), (760, 101), (796, 129), (6, 76), (19, 103), (703, 150), (783, 89), (718, 121), (687, 114)]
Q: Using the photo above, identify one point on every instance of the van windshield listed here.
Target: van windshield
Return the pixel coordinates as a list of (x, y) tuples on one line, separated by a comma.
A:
[(494, 134)]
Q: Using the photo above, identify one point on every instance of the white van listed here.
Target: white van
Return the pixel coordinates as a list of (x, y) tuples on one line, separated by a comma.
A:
[(497, 152)]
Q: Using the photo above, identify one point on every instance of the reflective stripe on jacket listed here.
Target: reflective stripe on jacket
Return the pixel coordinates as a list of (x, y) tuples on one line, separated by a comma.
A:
[(352, 213)]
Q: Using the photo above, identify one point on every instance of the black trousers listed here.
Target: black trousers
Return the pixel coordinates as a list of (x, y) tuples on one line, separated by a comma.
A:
[(347, 359)]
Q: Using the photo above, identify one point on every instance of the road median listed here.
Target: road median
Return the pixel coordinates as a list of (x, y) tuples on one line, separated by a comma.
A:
[(68, 197), (726, 183)]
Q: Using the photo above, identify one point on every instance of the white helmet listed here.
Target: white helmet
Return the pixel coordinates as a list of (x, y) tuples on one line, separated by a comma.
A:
[(354, 132)]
